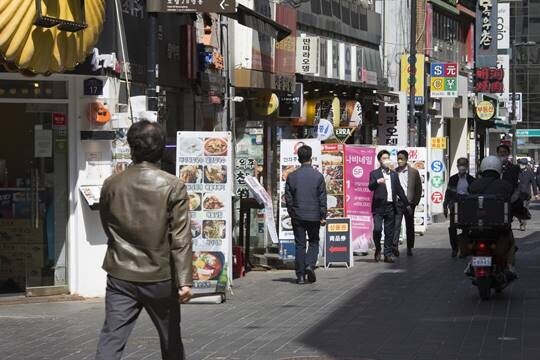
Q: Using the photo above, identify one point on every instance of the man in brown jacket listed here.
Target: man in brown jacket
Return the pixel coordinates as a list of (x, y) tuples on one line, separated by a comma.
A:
[(411, 183), (144, 212)]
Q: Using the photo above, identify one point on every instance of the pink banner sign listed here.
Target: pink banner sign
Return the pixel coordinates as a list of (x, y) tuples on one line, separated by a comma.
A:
[(359, 162)]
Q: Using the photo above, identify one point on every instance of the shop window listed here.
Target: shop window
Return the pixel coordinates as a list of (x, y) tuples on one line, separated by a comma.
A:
[(336, 9), (363, 19), (355, 21), (316, 6), (346, 12), (327, 7), (33, 89)]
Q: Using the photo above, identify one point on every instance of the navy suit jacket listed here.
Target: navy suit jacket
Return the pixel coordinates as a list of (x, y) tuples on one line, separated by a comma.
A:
[(380, 195), (305, 193)]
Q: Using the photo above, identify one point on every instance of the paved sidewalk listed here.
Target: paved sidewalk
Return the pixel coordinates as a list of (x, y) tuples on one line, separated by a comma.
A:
[(419, 308)]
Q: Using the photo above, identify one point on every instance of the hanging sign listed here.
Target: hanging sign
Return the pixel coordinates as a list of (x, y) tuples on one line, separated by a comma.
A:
[(204, 164), (444, 80), (325, 130), (290, 105), (438, 143), (486, 33), (337, 247), (343, 133), (307, 55), (485, 110)]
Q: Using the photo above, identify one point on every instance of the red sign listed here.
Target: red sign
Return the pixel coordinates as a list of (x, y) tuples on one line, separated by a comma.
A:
[(489, 80), (59, 119), (437, 197), (285, 55), (334, 249)]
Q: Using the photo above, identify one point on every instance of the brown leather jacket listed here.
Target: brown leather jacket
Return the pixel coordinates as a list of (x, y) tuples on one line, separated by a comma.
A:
[(145, 214)]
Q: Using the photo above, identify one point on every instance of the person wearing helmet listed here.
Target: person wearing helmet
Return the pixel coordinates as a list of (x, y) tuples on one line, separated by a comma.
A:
[(490, 183), (526, 182)]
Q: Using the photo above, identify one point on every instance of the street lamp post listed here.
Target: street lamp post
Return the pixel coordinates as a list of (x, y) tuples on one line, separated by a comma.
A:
[(514, 83)]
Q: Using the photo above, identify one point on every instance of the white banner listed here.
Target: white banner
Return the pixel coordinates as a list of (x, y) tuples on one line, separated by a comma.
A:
[(204, 164), (503, 26), (307, 55), (263, 197), (288, 164), (504, 62)]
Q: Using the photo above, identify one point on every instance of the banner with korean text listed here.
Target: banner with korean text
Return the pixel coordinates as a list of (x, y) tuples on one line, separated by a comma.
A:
[(288, 164), (204, 164)]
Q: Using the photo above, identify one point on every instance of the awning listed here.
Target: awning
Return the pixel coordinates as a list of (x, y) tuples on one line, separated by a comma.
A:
[(259, 22), (443, 4)]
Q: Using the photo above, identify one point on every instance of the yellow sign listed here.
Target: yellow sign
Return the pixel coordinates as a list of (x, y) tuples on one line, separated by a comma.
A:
[(419, 84), (336, 113), (59, 44), (339, 227), (438, 143), (485, 110), (266, 104)]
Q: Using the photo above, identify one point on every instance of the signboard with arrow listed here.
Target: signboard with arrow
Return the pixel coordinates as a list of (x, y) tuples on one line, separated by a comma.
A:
[(337, 247), (189, 6)]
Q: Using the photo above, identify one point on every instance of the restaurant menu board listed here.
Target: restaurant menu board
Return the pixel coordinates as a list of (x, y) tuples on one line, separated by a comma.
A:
[(418, 160), (288, 164), (333, 171), (359, 162), (204, 164)]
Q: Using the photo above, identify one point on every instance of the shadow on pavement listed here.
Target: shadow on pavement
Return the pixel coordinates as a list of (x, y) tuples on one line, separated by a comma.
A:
[(420, 308)]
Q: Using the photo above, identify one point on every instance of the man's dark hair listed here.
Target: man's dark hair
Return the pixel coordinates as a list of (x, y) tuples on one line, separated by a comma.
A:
[(503, 146), (304, 154), (147, 141), (462, 159), (381, 153), (404, 153)]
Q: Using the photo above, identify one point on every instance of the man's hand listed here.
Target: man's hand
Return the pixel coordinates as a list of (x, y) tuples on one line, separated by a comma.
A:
[(537, 197), (445, 212), (380, 181), (184, 294), (409, 209), (323, 222)]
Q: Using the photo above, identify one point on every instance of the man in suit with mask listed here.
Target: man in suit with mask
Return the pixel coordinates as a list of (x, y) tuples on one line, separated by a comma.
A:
[(386, 190)]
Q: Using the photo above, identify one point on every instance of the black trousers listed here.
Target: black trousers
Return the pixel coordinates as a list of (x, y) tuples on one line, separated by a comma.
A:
[(453, 235), (124, 301), (386, 216), (303, 259), (401, 213)]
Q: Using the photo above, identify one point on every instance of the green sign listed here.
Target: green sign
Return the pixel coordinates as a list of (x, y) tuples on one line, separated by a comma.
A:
[(528, 132), (437, 181)]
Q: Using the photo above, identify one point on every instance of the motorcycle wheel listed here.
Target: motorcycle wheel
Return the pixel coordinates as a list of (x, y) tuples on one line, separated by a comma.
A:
[(484, 288)]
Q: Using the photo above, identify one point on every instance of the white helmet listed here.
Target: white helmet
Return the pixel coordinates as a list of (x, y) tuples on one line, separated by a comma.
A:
[(491, 162)]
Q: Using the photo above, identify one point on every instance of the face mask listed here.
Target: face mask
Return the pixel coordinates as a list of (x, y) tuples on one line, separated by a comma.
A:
[(386, 164), (462, 169), (523, 167)]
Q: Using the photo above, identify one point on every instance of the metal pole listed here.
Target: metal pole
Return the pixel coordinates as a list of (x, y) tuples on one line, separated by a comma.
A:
[(412, 64), (513, 117), (151, 55)]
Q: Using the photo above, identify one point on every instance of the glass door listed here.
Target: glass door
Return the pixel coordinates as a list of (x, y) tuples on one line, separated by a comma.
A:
[(33, 197)]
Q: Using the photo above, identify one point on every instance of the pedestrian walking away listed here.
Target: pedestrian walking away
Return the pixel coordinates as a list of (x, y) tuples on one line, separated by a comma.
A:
[(386, 190), (411, 182), (144, 212), (305, 194), (527, 182), (458, 185)]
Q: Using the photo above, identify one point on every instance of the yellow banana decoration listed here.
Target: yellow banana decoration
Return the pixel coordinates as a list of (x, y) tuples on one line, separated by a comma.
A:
[(32, 49)]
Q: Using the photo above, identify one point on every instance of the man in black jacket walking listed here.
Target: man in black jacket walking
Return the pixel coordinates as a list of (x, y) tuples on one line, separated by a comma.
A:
[(458, 185), (526, 181), (386, 189), (305, 194)]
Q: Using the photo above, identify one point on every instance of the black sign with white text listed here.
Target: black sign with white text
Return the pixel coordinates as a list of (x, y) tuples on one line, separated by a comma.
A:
[(338, 242)]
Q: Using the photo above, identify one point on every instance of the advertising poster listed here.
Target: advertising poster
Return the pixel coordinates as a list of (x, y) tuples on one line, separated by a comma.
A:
[(333, 171), (359, 162), (288, 164), (418, 160), (338, 242), (204, 164)]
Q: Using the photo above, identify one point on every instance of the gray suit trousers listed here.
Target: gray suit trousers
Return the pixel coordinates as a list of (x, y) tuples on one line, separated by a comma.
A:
[(123, 303)]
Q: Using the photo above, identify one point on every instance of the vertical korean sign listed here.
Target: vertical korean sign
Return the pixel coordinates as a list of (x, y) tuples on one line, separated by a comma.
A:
[(359, 162), (444, 80), (388, 124), (288, 164), (486, 33), (204, 164)]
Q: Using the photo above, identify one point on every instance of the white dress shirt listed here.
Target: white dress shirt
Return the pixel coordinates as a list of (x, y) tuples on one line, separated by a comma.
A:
[(388, 183), (404, 178)]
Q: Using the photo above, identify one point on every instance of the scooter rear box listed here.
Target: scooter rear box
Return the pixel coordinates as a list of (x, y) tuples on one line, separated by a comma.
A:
[(481, 211)]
